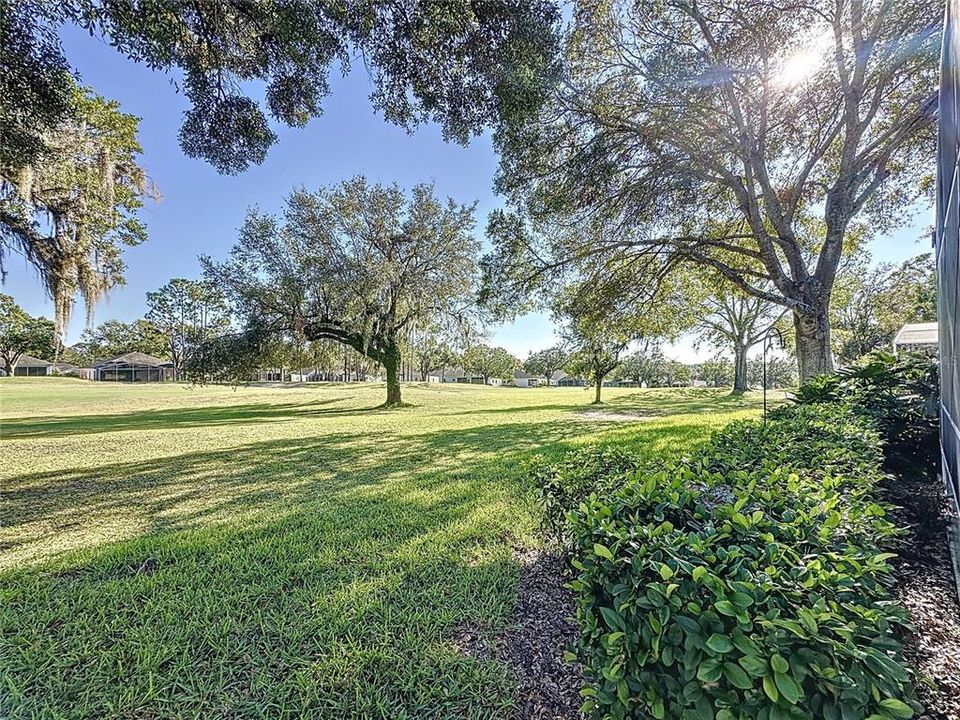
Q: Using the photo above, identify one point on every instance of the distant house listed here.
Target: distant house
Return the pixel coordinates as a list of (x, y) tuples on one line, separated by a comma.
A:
[(29, 366), (64, 368), (309, 375), (564, 380), (457, 375), (525, 380), (133, 367), (450, 375), (922, 337)]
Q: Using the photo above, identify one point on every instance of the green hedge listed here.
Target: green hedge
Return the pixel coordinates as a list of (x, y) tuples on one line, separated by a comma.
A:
[(749, 581), (592, 470)]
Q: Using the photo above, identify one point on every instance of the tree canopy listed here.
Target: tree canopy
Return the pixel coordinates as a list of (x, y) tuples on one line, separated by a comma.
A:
[(595, 351), (749, 138), (22, 334), (72, 210), (489, 362), (463, 63), (717, 372), (115, 337), (645, 365), (873, 304), (546, 362), (735, 321), (355, 263), (430, 351), (189, 313)]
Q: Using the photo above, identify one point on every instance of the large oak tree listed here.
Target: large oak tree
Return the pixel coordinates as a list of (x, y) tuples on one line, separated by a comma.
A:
[(73, 209), (355, 263), (244, 66), (734, 320), (463, 63), (748, 137)]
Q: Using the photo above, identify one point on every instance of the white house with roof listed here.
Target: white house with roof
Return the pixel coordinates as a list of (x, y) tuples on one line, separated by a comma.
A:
[(923, 337), (526, 380)]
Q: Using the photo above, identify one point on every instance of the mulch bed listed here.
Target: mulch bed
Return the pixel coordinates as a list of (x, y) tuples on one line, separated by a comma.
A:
[(925, 585), (548, 686)]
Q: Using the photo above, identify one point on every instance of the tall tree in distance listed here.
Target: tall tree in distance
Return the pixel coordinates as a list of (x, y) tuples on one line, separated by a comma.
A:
[(546, 362), (355, 263), (676, 373), (781, 372), (114, 337), (873, 303), (736, 321), (595, 351), (645, 365), (715, 134), (21, 334), (73, 210), (463, 63), (430, 351), (189, 313), (717, 372), (489, 362)]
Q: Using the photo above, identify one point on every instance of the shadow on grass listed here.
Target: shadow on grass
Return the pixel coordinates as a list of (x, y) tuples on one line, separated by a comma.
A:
[(341, 604), (681, 401), (168, 418), (322, 575)]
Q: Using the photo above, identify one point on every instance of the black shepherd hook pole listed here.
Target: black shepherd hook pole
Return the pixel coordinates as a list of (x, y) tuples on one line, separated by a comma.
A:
[(768, 345)]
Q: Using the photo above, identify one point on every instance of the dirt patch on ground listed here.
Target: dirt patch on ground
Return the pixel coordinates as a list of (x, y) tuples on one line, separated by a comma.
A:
[(612, 416), (926, 587)]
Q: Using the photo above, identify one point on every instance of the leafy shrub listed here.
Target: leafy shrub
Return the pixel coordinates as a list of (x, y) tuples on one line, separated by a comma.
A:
[(563, 485), (749, 581), (815, 439), (762, 607), (897, 392), (821, 389)]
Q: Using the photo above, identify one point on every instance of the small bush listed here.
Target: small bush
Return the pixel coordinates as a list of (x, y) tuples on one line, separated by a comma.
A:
[(816, 439), (563, 485), (898, 393), (749, 581)]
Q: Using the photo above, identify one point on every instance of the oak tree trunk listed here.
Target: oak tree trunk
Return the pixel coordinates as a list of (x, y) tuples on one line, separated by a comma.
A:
[(597, 386), (391, 362), (739, 368), (813, 343), (393, 383)]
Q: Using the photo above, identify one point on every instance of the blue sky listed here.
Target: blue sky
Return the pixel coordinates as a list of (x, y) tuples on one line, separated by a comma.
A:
[(200, 210)]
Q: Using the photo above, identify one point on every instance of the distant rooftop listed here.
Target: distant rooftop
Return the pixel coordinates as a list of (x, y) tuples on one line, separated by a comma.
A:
[(31, 361), (918, 334), (134, 358)]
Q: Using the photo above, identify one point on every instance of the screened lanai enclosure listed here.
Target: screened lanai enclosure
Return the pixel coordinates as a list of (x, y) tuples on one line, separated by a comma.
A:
[(948, 246), (133, 367)]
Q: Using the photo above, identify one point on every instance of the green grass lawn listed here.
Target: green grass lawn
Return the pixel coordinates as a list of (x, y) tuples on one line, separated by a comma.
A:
[(171, 551)]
